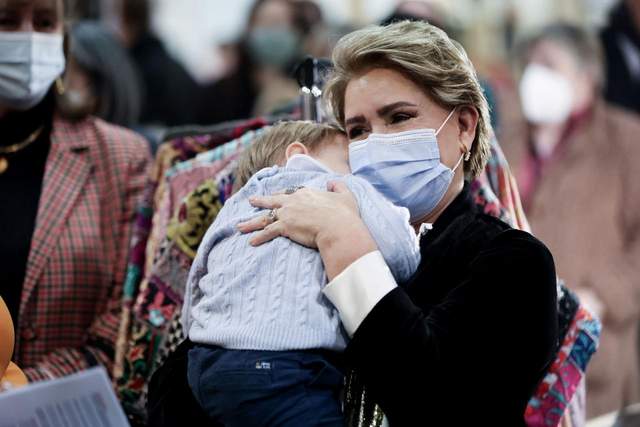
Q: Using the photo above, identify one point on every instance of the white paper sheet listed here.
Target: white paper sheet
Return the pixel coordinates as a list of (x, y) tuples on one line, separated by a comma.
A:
[(85, 399)]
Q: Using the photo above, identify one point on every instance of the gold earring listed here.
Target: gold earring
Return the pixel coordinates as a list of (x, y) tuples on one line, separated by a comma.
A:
[(467, 152), (60, 86)]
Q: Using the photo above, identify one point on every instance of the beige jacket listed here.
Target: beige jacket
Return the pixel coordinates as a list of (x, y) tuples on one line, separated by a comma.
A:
[(586, 208)]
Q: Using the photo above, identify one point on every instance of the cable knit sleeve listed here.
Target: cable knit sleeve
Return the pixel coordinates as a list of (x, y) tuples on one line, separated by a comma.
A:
[(389, 226), (199, 265), (225, 221)]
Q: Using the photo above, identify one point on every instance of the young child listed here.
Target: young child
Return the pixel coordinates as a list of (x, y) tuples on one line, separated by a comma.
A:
[(266, 337)]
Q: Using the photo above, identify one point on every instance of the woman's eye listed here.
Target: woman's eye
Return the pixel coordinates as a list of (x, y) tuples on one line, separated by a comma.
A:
[(355, 132), (400, 117), (45, 24), (9, 22)]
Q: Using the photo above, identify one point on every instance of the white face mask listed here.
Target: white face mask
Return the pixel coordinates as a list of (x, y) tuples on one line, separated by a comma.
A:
[(29, 64), (546, 95)]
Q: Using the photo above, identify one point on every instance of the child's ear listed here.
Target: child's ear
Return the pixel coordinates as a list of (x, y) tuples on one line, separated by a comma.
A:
[(295, 148)]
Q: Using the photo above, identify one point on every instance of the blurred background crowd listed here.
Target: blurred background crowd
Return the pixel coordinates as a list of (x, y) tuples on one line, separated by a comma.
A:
[(186, 54), (562, 78)]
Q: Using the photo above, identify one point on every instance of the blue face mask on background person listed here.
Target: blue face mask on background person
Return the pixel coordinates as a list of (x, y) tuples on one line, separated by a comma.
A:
[(29, 64), (405, 167), (277, 47)]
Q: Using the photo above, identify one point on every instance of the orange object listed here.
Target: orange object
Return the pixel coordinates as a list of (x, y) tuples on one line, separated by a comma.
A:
[(9, 372), (14, 376)]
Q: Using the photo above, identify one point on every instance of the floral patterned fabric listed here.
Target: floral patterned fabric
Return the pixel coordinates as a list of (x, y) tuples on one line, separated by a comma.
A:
[(181, 165), (193, 218), (555, 392), (496, 191), (160, 299)]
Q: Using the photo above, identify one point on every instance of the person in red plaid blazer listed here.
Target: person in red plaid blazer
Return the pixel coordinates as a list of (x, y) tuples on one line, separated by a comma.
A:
[(68, 191)]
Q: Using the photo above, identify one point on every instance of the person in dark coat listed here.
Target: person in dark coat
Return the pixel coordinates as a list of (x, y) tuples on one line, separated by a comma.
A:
[(621, 42), (169, 90)]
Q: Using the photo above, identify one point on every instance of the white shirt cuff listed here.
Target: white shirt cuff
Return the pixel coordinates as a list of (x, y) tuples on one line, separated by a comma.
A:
[(358, 289)]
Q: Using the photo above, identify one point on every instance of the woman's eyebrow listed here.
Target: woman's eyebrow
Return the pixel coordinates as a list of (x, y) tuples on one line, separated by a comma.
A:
[(14, 4), (46, 11), (383, 111), (354, 120), (47, 7)]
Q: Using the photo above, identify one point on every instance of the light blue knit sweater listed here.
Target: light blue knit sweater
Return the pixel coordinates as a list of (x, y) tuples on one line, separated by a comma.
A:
[(270, 297)]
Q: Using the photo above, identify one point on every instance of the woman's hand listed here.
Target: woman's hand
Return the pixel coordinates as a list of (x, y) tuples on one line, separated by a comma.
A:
[(327, 220), (304, 216)]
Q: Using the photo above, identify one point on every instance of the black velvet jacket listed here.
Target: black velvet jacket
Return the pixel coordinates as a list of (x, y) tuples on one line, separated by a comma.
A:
[(469, 338)]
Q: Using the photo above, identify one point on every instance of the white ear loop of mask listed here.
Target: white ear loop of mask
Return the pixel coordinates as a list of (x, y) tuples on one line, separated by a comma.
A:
[(458, 164), (445, 121), (442, 127)]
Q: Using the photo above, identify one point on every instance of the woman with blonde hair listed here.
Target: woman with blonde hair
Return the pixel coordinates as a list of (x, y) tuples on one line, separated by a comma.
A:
[(470, 336)]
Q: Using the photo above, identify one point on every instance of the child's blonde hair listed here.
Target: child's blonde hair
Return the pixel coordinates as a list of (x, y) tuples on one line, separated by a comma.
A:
[(269, 149)]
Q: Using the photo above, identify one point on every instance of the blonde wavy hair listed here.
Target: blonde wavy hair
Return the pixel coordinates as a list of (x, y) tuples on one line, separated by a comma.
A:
[(428, 57)]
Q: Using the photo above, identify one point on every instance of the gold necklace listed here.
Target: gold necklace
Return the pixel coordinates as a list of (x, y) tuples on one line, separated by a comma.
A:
[(11, 149)]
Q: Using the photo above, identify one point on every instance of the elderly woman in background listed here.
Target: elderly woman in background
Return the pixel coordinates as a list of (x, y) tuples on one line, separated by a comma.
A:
[(69, 190), (477, 324), (576, 159)]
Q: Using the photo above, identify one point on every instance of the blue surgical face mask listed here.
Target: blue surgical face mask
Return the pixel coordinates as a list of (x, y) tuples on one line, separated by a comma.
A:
[(276, 47), (405, 167)]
